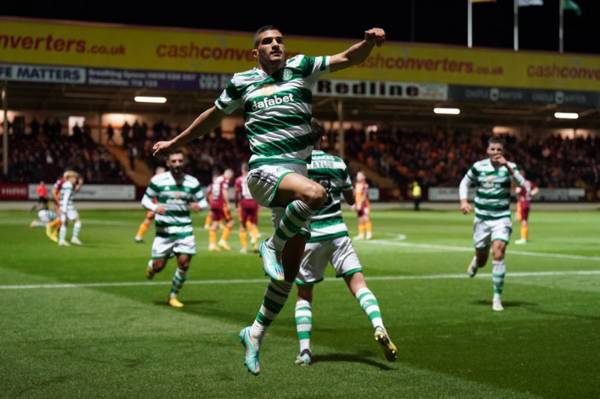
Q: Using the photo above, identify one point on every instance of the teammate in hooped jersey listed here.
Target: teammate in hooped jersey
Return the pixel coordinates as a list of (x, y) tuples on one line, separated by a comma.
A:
[(492, 225)]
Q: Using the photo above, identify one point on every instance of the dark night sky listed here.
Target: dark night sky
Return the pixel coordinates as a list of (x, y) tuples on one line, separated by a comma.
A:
[(441, 21)]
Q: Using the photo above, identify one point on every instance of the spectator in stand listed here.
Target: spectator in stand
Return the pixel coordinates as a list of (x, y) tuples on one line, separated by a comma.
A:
[(125, 132), (42, 192), (110, 135)]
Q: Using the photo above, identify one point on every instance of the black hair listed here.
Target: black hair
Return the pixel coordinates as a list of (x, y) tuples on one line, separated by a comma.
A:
[(262, 29), (496, 140)]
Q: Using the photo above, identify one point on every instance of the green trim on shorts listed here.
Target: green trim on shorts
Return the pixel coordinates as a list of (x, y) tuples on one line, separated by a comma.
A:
[(279, 179), (306, 283), (350, 272), (500, 239)]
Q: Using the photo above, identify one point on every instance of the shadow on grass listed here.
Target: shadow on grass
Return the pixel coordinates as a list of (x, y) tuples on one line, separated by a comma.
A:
[(188, 303), (349, 358), (506, 304), (564, 314), (534, 308)]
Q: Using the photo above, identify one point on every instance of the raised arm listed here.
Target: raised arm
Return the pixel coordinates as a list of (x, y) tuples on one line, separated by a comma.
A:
[(357, 53), (518, 177), (514, 172), (203, 124)]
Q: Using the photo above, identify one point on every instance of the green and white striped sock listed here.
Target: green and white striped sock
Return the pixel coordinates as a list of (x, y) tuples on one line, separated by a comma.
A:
[(303, 323), (178, 279), (498, 273), (275, 296), (294, 218), (369, 305)]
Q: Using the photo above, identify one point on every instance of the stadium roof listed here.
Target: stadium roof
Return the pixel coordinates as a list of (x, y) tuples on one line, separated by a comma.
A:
[(36, 96)]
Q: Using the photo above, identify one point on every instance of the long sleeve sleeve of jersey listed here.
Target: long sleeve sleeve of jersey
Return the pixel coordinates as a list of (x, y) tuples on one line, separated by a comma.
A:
[(465, 183), (149, 195), (519, 179), (200, 198), (148, 203)]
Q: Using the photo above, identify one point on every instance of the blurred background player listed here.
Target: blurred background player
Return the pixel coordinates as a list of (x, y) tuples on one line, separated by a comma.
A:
[(492, 224), (416, 193), (53, 226), (212, 237), (139, 236), (363, 207), (170, 196), (44, 217), (524, 195), (329, 242), (72, 183), (220, 211), (247, 211), (42, 192), (207, 221)]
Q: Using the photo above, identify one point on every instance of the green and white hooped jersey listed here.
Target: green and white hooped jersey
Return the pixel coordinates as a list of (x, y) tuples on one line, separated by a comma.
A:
[(277, 109), (331, 172), (492, 195), (66, 197), (175, 196)]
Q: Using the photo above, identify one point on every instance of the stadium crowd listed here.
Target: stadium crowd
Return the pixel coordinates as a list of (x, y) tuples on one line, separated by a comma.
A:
[(433, 157), (441, 158), (44, 151), (206, 153)]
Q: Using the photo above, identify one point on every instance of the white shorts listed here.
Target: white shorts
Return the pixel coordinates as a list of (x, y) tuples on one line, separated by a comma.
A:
[(164, 247), (263, 183), (71, 214), (486, 231), (317, 256), (264, 180)]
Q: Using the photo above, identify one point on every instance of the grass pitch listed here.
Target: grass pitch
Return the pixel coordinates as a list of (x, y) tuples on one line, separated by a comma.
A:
[(83, 321)]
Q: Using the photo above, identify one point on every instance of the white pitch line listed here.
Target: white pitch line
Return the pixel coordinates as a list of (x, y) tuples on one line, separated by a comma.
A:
[(468, 249), (264, 280)]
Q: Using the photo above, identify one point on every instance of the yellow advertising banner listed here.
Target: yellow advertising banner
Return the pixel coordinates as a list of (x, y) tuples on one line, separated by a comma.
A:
[(80, 44)]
